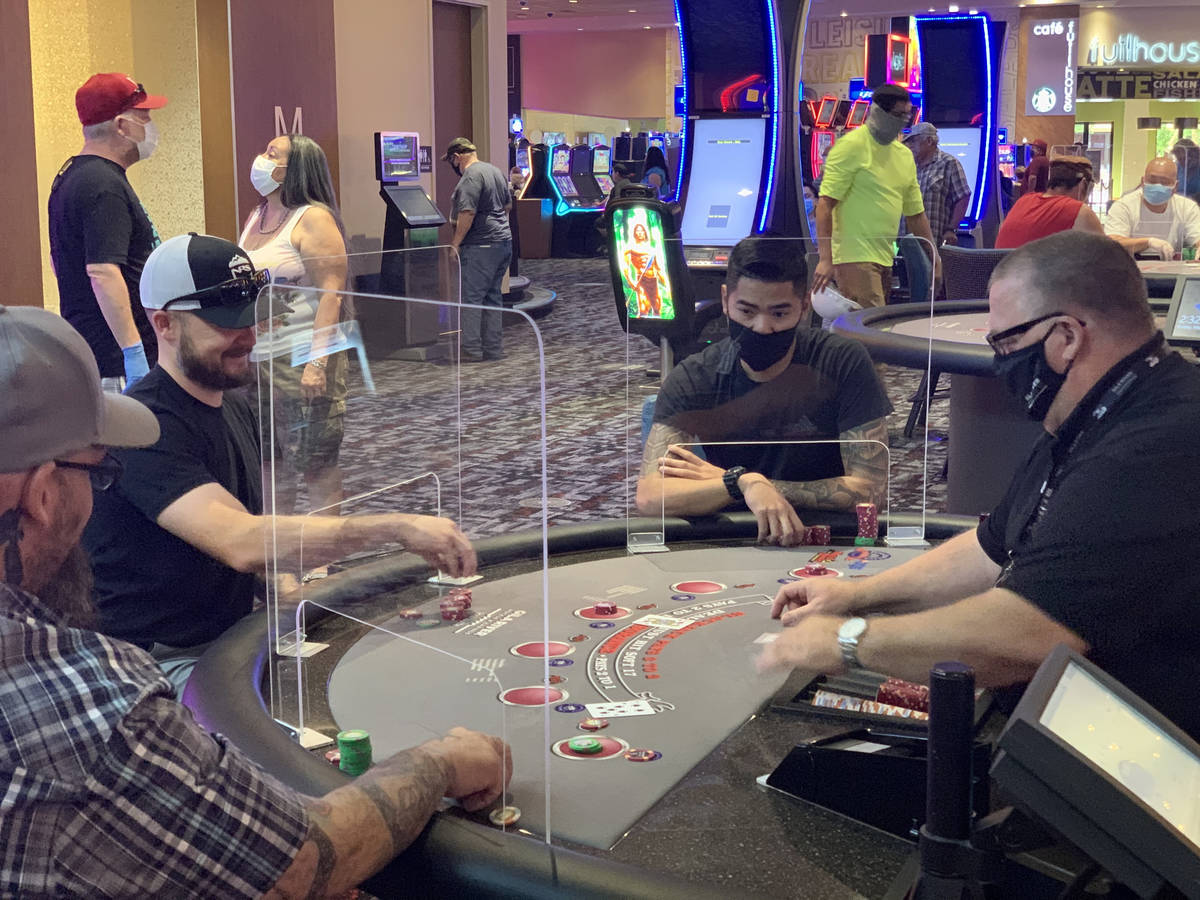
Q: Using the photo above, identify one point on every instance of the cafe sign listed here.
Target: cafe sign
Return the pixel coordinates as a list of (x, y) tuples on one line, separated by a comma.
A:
[(1130, 50)]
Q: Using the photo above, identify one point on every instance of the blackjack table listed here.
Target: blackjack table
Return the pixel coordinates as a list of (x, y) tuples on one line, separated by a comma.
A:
[(625, 684)]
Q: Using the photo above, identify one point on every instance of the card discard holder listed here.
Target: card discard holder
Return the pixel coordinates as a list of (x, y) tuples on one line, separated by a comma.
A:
[(872, 777)]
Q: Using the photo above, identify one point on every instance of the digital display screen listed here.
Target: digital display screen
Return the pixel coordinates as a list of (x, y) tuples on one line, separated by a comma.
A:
[(605, 182), (1120, 741), (396, 155), (523, 157), (858, 113), (642, 255), (550, 138), (1185, 317), (723, 59), (561, 162), (965, 145), (725, 179), (566, 186), (596, 137), (954, 77), (601, 160)]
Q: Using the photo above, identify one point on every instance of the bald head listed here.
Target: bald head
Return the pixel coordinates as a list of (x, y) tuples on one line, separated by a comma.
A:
[(1161, 170)]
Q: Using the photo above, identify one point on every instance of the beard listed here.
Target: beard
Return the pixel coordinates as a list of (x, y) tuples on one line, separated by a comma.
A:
[(207, 374), (68, 592)]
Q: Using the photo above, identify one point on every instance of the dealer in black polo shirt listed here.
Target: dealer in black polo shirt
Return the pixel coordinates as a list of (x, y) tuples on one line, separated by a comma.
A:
[(1094, 545)]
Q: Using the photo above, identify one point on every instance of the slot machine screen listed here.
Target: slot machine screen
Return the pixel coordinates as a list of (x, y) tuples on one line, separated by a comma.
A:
[(1183, 318), (395, 155), (596, 137), (550, 138), (858, 113), (641, 250), (605, 182), (725, 181), (566, 186), (601, 160), (561, 162), (523, 158), (965, 145)]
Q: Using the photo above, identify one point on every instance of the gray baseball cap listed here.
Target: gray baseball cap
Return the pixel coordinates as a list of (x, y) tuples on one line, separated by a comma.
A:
[(51, 403), (922, 129)]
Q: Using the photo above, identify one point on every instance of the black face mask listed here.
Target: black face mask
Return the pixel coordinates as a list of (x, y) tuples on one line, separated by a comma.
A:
[(1028, 377), (761, 351), (457, 170)]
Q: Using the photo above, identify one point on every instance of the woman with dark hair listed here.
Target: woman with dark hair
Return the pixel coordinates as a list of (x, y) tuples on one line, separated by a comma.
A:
[(296, 234), (655, 172)]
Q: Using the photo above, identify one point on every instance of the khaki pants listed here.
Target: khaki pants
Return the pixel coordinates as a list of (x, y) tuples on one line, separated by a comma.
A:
[(866, 283)]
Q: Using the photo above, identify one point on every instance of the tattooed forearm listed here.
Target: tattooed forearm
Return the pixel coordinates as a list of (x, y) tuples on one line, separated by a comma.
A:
[(405, 790), (659, 440), (865, 461), (327, 857)]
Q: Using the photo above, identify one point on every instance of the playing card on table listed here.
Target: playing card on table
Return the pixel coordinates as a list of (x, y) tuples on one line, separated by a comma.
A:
[(653, 621), (619, 709)]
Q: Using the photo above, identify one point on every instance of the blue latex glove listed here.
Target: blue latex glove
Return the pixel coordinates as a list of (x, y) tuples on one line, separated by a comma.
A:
[(136, 365)]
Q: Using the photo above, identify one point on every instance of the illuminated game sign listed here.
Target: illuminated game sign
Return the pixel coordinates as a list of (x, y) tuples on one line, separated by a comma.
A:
[(642, 256), (1130, 50), (1050, 67)]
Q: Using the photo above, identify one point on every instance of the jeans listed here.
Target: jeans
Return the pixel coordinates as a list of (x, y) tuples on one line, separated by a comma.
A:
[(483, 268)]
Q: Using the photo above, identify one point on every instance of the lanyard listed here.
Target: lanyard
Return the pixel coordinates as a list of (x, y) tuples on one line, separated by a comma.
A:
[(1108, 400)]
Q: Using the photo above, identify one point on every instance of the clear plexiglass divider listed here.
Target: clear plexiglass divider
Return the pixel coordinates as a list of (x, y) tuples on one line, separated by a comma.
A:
[(386, 457), (772, 377)]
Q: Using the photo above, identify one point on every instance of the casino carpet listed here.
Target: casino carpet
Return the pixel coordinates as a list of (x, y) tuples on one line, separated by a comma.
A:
[(596, 384)]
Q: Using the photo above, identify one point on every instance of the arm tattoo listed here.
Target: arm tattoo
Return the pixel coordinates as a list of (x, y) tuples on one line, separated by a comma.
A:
[(865, 461), (327, 857), (659, 440)]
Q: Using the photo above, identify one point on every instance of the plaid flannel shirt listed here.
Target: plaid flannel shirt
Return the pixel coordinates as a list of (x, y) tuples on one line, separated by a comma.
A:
[(108, 787), (943, 183)]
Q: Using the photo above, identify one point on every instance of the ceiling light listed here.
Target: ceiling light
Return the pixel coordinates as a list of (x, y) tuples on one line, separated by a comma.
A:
[(579, 29), (844, 14), (973, 12), (931, 9), (952, 8), (646, 27), (633, 10)]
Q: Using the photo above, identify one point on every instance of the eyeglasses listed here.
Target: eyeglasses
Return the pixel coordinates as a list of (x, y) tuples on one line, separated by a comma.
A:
[(235, 292), (103, 474), (998, 339)]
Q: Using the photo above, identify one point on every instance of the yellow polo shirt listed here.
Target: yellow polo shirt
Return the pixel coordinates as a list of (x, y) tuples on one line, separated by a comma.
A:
[(874, 184)]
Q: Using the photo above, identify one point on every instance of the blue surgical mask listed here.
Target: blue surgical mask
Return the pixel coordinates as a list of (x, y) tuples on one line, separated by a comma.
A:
[(809, 205), (1156, 194)]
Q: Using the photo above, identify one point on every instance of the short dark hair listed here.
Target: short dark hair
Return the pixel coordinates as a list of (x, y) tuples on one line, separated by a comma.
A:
[(768, 259), (886, 96), (1068, 171), (1079, 271)]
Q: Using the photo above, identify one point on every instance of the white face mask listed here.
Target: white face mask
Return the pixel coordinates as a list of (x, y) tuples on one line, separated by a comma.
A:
[(260, 175), (149, 141)]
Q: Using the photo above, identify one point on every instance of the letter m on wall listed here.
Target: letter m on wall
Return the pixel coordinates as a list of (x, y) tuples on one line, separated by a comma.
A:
[(297, 122)]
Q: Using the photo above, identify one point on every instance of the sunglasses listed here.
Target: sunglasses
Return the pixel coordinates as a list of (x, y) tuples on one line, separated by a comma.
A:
[(102, 475), (235, 292), (998, 339)]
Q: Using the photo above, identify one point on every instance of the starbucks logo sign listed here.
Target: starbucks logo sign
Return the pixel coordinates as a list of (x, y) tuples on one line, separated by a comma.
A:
[(1044, 99)]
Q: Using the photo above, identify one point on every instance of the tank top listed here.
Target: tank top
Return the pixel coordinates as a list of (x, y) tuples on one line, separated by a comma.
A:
[(1034, 216), (279, 255)]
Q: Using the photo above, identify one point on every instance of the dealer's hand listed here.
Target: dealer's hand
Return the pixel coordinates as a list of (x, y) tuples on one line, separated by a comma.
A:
[(439, 542), (777, 520), (683, 463), (811, 645), (479, 766), (1164, 249), (811, 597), (822, 276)]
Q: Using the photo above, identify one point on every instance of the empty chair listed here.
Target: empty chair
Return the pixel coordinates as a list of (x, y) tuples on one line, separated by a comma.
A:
[(966, 272)]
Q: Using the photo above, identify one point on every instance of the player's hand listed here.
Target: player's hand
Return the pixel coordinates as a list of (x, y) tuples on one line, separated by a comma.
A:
[(810, 597), (480, 766), (777, 520), (1165, 249), (951, 238), (811, 645), (822, 276), (440, 543), (313, 382), (683, 463)]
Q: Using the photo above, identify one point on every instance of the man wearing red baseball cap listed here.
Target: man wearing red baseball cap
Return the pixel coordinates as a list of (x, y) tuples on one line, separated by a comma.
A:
[(100, 234)]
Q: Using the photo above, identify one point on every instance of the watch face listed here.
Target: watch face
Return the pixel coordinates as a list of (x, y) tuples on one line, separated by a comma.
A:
[(852, 629)]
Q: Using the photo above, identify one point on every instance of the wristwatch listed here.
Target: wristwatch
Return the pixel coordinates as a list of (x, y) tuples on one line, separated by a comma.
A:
[(848, 637), (730, 478)]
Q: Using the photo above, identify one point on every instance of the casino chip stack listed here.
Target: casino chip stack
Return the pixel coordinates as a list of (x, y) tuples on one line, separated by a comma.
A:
[(354, 749), (868, 525), (817, 535), (454, 605)]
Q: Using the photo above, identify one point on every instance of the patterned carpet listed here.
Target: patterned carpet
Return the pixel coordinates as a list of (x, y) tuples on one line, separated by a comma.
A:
[(402, 444)]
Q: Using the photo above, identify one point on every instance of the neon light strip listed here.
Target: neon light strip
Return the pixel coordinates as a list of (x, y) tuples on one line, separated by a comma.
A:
[(561, 207), (683, 160), (981, 177), (768, 200)]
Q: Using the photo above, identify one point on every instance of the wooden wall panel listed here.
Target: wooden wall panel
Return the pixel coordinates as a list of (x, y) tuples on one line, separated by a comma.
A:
[(216, 119), (20, 240)]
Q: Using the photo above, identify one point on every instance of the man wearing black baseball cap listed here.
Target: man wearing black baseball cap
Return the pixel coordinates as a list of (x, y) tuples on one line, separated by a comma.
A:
[(110, 787), (180, 547), (100, 234)]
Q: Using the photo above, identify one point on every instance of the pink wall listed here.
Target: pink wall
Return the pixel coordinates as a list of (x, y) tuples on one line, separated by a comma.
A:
[(622, 74)]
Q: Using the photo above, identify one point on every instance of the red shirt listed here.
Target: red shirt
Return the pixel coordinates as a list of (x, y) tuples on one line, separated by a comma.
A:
[(1036, 175), (1034, 216)]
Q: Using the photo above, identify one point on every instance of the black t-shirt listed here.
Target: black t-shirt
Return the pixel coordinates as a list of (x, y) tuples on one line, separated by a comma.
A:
[(829, 388), (95, 217), (1113, 557), (150, 585)]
